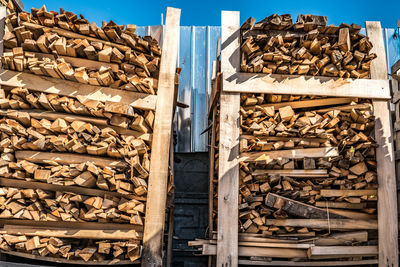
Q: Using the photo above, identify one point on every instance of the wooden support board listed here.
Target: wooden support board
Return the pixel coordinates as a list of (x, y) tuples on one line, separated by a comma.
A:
[(159, 173), (228, 172), (387, 197)]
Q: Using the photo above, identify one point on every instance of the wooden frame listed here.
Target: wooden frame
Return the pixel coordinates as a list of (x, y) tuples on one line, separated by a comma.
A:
[(163, 103), (234, 82)]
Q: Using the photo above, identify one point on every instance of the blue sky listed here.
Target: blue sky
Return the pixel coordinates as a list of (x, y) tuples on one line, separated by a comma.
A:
[(207, 12)]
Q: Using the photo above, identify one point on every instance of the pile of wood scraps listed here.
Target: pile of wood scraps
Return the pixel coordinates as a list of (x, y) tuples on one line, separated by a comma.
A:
[(306, 47), (76, 146)]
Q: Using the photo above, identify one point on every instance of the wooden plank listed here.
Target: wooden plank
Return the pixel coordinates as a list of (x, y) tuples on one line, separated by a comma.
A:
[(308, 103), (157, 183), (211, 171), (73, 225), (70, 233), (228, 168), (67, 158), (3, 15), (333, 252), (307, 263), (70, 34), (345, 238), (253, 244), (283, 138), (319, 173), (345, 108), (65, 188), (334, 224), (67, 261), (395, 67), (209, 249), (73, 89), (387, 198), (340, 205), (347, 193), (298, 208), (305, 85), (323, 152)]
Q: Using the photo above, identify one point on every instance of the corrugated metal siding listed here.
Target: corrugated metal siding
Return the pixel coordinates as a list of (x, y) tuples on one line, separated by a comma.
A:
[(197, 51)]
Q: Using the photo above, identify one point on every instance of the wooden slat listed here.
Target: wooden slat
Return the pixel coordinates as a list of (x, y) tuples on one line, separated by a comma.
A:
[(73, 89), (345, 108), (70, 233), (308, 103), (308, 263), (3, 15), (318, 173), (66, 262), (347, 193), (323, 152), (395, 67), (209, 249), (305, 85), (73, 225), (157, 184), (211, 171), (283, 138), (387, 198), (334, 224), (334, 252), (67, 158), (228, 168), (65, 188)]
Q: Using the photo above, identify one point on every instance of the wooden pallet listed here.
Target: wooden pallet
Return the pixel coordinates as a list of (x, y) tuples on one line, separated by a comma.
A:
[(163, 104), (233, 82)]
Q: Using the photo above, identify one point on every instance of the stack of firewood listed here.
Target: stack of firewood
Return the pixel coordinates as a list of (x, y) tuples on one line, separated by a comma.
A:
[(65, 46), (69, 158), (276, 45)]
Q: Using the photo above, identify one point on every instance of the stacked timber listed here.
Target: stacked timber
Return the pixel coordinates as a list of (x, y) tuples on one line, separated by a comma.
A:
[(307, 180), (75, 158), (65, 46), (276, 45)]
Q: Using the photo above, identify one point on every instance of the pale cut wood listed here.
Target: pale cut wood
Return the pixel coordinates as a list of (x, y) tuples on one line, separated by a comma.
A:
[(305, 85), (254, 244), (322, 173), (387, 195), (283, 138), (323, 152), (65, 188), (334, 224), (72, 89), (347, 193), (70, 34), (67, 158), (308, 103), (308, 263), (157, 181), (332, 252), (345, 238), (102, 123), (70, 233), (209, 249), (228, 169)]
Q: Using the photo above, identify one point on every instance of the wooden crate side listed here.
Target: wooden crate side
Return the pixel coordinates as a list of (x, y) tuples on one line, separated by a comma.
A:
[(387, 201), (228, 172), (157, 184)]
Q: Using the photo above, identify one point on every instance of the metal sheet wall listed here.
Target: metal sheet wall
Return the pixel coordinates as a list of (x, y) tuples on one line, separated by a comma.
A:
[(197, 51)]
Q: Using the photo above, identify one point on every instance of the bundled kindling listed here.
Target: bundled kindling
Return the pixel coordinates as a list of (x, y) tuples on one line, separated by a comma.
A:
[(277, 45)]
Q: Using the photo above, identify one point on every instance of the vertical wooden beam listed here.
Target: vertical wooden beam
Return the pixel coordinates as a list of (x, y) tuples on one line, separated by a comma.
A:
[(387, 202), (159, 173), (3, 15), (228, 172)]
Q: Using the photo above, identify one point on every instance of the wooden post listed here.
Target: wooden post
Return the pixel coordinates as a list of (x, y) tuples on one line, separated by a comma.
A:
[(387, 202), (228, 173), (159, 173), (3, 15)]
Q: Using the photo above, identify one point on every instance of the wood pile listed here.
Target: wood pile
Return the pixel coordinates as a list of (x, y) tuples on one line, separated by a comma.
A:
[(72, 158), (65, 46), (307, 179), (277, 45)]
